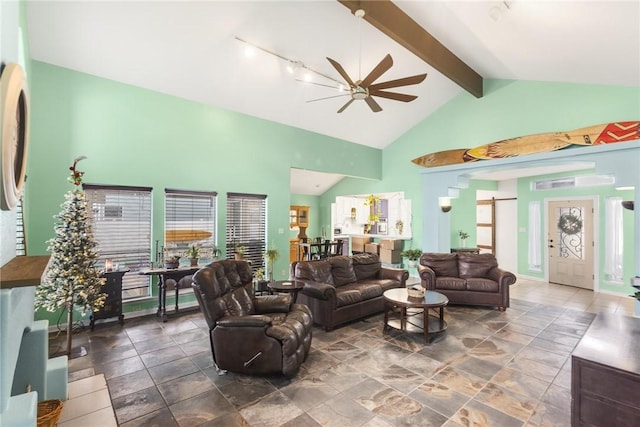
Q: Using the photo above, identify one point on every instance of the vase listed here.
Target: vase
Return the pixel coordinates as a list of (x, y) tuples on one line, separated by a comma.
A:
[(194, 262), (463, 243)]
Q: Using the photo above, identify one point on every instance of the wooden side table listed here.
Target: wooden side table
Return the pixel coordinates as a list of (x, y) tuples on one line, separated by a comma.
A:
[(287, 286)]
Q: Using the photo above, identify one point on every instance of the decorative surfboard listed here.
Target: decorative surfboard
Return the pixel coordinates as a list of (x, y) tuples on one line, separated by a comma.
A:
[(186, 235), (607, 133), (441, 158)]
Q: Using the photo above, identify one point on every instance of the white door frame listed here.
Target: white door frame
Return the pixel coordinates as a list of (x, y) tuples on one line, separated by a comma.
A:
[(596, 235)]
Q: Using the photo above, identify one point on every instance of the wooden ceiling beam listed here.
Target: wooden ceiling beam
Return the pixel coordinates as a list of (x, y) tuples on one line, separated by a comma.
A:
[(395, 23)]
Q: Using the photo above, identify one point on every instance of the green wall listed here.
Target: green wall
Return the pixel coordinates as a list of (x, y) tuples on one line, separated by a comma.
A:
[(508, 109), (133, 136), (137, 137)]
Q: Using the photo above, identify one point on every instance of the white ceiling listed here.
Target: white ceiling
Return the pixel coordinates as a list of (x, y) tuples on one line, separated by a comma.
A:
[(189, 49)]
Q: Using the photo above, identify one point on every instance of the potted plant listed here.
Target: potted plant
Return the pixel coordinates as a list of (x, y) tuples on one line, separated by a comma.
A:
[(193, 253), (463, 238), (171, 261), (271, 255), (413, 255), (239, 252)]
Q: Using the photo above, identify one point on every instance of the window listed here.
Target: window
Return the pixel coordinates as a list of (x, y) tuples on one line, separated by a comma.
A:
[(535, 242), (246, 226), (121, 224), (190, 220), (614, 241)]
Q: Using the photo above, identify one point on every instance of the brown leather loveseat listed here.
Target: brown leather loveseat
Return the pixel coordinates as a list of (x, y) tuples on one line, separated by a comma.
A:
[(466, 278), (340, 289), (250, 334)]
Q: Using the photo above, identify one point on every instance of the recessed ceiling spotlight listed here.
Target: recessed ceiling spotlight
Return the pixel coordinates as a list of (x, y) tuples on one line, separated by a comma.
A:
[(249, 51), (307, 77)]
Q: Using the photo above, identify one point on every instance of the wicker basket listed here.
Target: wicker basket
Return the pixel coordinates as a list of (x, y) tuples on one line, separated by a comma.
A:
[(415, 293), (49, 412)]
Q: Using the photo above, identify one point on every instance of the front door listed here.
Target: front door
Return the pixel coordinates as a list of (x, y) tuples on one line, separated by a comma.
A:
[(570, 239)]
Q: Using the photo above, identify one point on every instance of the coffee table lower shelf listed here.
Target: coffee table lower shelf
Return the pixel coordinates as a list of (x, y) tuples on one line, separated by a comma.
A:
[(414, 323)]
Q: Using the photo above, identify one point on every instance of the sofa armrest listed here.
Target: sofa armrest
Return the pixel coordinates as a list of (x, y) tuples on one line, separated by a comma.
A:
[(503, 277), (428, 277), (251, 321), (398, 274), (272, 304), (319, 290)]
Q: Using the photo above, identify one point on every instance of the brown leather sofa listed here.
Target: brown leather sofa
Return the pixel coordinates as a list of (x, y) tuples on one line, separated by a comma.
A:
[(250, 334), (340, 289), (466, 278)]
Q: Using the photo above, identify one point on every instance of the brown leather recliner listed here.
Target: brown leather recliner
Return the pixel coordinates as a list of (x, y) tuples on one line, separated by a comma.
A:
[(249, 334), (466, 278)]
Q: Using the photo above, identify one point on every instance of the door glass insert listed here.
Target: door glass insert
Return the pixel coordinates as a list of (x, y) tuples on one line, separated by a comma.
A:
[(570, 232)]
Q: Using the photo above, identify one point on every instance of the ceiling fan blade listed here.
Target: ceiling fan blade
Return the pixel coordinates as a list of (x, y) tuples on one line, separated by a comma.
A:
[(318, 84), (328, 97), (342, 72), (393, 95), (406, 81), (375, 107), (344, 107), (380, 69)]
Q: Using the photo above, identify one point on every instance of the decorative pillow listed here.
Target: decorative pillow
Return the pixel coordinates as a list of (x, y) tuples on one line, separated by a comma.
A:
[(342, 270), (441, 264), (475, 265), (316, 271)]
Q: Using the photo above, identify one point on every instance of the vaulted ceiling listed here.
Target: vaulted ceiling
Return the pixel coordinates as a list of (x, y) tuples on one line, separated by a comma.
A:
[(191, 50)]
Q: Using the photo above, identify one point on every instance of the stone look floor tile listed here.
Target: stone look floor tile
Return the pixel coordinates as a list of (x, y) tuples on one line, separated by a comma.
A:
[(495, 368)]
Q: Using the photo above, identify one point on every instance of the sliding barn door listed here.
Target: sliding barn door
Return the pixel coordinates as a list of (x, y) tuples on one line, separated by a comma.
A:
[(485, 227)]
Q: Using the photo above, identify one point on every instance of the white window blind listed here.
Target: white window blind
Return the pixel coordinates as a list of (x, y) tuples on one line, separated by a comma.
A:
[(246, 226), (614, 240), (190, 220), (121, 224), (21, 241)]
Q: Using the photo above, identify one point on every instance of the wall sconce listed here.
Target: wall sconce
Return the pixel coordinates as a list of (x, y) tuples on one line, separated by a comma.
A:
[(445, 203)]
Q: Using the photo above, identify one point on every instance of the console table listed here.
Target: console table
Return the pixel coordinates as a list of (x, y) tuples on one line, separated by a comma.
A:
[(605, 373), (164, 274)]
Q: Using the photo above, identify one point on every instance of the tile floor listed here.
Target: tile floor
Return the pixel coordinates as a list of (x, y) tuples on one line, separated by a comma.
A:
[(489, 368)]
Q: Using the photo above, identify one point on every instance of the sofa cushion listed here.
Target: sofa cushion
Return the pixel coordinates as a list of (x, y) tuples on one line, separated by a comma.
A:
[(475, 265), (342, 270), (366, 265), (482, 285), (451, 283), (384, 284), (441, 264), (316, 271), (353, 293)]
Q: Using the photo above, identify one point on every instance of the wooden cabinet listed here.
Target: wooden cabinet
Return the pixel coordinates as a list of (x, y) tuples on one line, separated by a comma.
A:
[(293, 250), (298, 216), (113, 304), (605, 373)]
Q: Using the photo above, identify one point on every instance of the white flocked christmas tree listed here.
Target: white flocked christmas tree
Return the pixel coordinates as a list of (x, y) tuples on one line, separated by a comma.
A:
[(72, 279)]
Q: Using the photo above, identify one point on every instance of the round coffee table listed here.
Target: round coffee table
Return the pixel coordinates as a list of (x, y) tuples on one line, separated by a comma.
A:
[(412, 314), (287, 286)]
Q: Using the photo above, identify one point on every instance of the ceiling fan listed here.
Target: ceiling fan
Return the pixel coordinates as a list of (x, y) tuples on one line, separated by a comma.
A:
[(365, 89)]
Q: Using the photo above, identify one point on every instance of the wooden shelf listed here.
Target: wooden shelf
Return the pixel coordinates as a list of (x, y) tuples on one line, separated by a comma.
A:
[(23, 271)]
